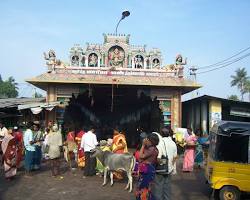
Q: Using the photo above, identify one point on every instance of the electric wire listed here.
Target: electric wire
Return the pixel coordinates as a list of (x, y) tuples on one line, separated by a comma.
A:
[(223, 62), (225, 65), (25, 89)]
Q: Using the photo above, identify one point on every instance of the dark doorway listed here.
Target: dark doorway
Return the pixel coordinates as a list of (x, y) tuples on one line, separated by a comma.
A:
[(105, 106)]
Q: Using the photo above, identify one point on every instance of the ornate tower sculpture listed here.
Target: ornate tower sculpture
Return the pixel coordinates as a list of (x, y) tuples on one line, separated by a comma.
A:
[(116, 57), (76, 56), (155, 58), (179, 65), (51, 60)]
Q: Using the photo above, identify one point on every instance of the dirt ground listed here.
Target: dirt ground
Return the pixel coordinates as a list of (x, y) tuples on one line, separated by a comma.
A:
[(186, 186)]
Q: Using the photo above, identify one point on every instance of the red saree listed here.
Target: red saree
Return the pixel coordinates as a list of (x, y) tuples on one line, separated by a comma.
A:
[(19, 140), (80, 152), (9, 155)]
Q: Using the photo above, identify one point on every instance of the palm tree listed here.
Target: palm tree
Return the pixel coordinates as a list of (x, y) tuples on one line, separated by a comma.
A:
[(239, 80), (247, 88)]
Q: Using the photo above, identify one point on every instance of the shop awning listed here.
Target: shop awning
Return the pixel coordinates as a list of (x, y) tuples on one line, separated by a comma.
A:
[(36, 108)]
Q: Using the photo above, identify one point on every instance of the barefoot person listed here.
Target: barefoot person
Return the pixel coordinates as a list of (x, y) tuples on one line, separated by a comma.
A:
[(38, 137), (80, 153), (18, 135), (148, 159), (88, 143), (119, 146), (28, 140), (9, 155), (189, 155), (54, 142), (167, 148)]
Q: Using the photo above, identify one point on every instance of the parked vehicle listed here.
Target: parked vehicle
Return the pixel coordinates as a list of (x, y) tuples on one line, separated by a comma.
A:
[(228, 162)]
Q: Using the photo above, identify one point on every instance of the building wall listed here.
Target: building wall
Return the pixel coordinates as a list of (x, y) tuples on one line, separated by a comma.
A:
[(176, 109), (51, 96), (204, 117), (205, 111), (215, 110), (195, 115)]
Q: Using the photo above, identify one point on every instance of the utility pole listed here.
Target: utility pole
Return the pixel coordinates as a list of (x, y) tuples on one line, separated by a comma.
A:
[(192, 73)]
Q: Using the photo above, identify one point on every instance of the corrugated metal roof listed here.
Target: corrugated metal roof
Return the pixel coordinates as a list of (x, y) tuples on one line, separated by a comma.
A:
[(14, 102), (208, 97)]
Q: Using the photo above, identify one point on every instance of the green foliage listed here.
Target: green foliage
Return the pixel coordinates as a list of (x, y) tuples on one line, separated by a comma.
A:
[(8, 88), (233, 97), (247, 88), (240, 80)]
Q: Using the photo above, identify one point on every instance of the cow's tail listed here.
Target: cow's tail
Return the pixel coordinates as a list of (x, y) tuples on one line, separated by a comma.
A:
[(132, 165)]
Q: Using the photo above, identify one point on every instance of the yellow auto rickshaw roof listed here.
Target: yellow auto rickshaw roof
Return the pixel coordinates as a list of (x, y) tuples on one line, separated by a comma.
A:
[(227, 128)]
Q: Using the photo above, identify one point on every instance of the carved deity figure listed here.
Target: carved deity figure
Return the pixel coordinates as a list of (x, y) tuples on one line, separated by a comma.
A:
[(75, 60), (116, 58), (51, 60), (138, 62), (179, 65), (156, 64), (93, 60)]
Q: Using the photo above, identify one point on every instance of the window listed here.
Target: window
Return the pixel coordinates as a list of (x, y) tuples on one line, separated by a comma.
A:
[(233, 149)]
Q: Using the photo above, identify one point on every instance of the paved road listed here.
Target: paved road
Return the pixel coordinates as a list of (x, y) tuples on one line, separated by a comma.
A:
[(186, 186)]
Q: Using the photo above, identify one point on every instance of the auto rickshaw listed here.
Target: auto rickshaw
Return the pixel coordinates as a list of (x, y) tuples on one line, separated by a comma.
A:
[(228, 161)]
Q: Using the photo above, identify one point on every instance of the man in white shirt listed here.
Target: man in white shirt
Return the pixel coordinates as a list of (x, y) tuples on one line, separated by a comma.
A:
[(166, 147), (88, 143), (28, 140)]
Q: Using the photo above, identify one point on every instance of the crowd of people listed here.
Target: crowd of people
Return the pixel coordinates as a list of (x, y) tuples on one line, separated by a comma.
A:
[(34, 145)]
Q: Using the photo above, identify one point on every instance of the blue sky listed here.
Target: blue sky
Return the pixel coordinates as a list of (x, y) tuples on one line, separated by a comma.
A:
[(204, 31)]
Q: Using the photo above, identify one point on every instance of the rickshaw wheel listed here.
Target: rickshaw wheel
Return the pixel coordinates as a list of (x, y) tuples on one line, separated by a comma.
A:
[(229, 193)]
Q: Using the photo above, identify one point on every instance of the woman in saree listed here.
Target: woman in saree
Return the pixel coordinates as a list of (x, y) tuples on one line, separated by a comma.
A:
[(119, 142), (189, 154), (80, 152), (20, 146), (9, 149), (119, 146), (72, 146), (148, 159), (199, 154)]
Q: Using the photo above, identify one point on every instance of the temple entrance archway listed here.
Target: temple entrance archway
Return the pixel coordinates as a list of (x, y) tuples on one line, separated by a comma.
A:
[(108, 106)]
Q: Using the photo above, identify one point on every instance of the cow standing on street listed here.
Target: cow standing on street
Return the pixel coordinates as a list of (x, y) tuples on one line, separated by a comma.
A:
[(113, 162)]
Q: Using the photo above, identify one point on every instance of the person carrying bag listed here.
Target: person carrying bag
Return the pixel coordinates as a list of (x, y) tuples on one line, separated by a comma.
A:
[(166, 165), (162, 165)]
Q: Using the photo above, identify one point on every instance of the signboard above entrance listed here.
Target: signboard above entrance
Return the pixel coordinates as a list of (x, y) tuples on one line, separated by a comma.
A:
[(120, 72)]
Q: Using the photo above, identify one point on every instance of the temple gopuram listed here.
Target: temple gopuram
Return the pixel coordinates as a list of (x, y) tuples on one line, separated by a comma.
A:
[(115, 84)]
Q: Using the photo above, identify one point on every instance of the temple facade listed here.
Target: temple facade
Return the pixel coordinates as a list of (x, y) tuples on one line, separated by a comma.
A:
[(115, 82), (115, 52)]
